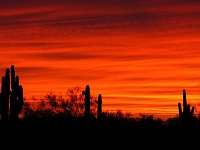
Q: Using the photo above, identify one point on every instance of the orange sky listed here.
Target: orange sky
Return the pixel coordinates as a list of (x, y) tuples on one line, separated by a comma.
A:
[(138, 55)]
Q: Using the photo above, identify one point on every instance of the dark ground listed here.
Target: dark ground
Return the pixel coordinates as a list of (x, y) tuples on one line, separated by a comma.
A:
[(115, 134)]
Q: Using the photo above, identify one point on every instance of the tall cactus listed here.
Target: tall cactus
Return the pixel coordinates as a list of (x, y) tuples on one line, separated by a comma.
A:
[(11, 95), (4, 98), (185, 114), (87, 102), (99, 108)]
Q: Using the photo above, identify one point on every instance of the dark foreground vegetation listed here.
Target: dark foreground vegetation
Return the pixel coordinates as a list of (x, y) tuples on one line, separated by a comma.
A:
[(77, 121), (113, 131), (60, 123)]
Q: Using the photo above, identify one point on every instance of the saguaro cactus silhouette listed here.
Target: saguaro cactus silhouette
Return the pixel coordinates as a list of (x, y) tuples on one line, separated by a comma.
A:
[(185, 114), (11, 97), (99, 108), (87, 102)]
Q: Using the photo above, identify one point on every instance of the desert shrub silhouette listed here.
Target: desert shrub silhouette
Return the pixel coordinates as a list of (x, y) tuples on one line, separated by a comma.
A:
[(53, 105)]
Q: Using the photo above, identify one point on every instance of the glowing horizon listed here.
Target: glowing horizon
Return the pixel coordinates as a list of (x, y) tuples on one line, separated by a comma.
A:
[(138, 55)]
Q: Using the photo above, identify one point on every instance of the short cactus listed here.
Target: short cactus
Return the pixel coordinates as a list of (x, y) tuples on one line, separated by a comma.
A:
[(87, 102), (99, 108)]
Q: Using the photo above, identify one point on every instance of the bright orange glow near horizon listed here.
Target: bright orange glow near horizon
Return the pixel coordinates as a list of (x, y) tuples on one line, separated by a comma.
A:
[(139, 55)]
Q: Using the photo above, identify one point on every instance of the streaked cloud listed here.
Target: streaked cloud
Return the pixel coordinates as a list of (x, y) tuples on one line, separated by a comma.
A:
[(138, 54)]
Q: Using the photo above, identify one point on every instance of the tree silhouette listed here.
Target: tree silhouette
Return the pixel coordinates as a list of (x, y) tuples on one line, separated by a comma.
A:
[(54, 105)]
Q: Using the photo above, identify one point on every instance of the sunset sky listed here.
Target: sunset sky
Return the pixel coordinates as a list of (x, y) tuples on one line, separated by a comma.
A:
[(139, 54)]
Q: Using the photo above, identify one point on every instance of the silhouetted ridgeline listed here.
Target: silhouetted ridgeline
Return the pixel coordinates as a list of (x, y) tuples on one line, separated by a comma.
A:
[(78, 122)]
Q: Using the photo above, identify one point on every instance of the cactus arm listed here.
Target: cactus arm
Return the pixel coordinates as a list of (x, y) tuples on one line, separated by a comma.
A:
[(192, 111), (180, 110), (20, 99)]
